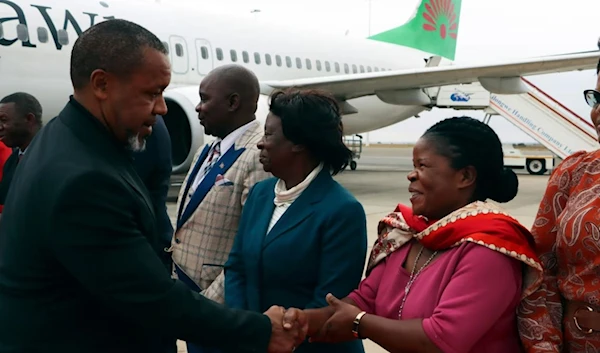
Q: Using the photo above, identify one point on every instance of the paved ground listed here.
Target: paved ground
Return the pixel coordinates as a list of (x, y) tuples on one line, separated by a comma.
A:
[(379, 183)]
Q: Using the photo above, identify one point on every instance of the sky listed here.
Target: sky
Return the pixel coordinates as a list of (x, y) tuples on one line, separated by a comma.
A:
[(489, 31)]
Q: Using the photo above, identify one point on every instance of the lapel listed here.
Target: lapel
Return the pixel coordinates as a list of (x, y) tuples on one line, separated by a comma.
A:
[(300, 209), (95, 135), (133, 179), (225, 162), (263, 218), (191, 178)]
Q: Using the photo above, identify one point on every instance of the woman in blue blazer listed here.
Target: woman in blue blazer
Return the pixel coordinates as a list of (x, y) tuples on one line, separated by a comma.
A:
[(301, 235)]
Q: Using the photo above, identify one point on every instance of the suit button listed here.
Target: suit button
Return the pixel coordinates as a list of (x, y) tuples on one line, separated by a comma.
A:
[(177, 240)]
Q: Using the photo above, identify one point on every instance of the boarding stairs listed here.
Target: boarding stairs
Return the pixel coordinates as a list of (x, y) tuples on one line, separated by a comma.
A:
[(536, 113)]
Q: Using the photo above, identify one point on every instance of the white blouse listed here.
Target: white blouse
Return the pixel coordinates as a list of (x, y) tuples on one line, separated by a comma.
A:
[(284, 198)]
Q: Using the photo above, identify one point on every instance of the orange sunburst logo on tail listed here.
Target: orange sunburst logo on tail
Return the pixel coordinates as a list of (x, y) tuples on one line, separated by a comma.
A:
[(440, 16)]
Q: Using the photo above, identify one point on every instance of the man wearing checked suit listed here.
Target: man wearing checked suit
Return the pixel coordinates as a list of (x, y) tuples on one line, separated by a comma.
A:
[(220, 177)]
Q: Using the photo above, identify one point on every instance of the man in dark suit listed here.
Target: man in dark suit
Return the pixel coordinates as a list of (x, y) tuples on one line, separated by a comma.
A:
[(154, 166), (20, 121), (79, 270)]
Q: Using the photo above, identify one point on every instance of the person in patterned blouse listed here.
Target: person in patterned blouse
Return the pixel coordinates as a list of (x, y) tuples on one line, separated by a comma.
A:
[(563, 313)]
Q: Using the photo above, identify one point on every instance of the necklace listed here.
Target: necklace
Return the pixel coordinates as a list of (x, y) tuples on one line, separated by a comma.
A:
[(413, 277)]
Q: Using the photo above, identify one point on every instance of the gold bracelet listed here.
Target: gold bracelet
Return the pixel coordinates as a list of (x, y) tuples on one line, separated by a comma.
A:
[(356, 323)]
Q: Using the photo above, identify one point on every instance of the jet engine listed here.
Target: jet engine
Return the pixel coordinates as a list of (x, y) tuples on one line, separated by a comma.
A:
[(187, 135)]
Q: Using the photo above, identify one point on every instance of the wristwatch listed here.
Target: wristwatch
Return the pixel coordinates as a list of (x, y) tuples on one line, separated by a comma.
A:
[(356, 323)]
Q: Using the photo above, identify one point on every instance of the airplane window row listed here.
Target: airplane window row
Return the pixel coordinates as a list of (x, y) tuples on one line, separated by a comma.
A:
[(63, 39), (268, 60), (42, 34)]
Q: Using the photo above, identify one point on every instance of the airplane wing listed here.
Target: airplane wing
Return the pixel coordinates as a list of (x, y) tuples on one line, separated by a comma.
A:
[(494, 77)]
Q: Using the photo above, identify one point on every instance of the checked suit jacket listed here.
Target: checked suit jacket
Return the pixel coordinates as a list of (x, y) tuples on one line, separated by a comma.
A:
[(202, 242)]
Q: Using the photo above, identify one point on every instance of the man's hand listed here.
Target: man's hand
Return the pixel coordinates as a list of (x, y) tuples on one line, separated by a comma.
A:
[(288, 329), (295, 318)]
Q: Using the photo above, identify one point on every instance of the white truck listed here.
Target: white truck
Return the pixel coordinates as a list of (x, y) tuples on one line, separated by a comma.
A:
[(535, 163)]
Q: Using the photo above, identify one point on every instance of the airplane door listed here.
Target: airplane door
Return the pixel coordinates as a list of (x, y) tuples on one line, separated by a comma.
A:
[(204, 55), (179, 55)]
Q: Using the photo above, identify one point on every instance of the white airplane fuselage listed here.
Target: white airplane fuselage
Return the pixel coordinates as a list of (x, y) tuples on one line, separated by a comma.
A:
[(36, 42)]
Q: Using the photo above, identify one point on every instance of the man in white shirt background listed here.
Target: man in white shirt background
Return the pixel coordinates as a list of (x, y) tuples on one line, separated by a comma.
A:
[(214, 191)]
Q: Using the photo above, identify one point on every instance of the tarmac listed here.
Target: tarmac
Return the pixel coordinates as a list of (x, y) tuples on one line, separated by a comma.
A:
[(380, 183)]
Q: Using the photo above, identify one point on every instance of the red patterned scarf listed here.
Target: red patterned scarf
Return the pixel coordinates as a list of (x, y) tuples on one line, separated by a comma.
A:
[(480, 222)]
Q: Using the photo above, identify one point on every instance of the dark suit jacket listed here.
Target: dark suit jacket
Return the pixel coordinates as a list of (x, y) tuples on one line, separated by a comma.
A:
[(317, 247), (8, 171), (154, 166), (79, 270)]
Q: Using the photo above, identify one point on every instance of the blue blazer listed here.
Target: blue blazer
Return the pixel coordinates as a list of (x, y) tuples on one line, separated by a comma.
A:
[(317, 247)]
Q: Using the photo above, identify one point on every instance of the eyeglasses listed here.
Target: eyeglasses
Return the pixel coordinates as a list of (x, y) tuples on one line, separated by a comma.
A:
[(592, 97)]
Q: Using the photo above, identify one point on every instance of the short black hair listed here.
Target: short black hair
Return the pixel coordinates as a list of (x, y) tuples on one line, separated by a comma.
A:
[(25, 104), (115, 45), (469, 142), (312, 118)]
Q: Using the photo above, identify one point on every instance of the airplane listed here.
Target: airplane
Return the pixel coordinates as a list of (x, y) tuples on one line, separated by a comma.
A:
[(378, 81)]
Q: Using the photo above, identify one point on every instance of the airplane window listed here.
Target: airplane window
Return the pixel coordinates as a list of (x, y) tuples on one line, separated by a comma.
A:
[(354, 70), (204, 52), (346, 68), (219, 54), (42, 34), (288, 61), (166, 45), (22, 33), (245, 56), (337, 67), (376, 69), (257, 58), (319, 65), (268, 59), (308, 64), (298, 63), (369, 69), (362, 68), (233, 55), (278, 60), (178, 49), (327, 66), (63, 37)]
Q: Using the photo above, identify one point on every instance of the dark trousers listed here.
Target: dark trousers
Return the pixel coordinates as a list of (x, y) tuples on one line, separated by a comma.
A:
[(193, 348)]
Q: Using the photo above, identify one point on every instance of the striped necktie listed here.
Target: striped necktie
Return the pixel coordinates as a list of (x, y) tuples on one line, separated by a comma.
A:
[(213, 157)]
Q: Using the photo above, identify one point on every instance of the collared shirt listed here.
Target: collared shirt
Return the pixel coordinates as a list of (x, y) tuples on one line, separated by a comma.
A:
[(226, 144), (284, 198), (20, 153)]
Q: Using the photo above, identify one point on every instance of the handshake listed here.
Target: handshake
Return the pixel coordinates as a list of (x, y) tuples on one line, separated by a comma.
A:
[(290, 327)]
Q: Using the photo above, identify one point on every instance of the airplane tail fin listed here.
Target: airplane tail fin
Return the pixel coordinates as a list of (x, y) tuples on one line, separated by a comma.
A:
[(433, 28)]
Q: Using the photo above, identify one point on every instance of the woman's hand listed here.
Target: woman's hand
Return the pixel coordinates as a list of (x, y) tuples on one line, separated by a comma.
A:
[(339, 326), (317, 318)]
